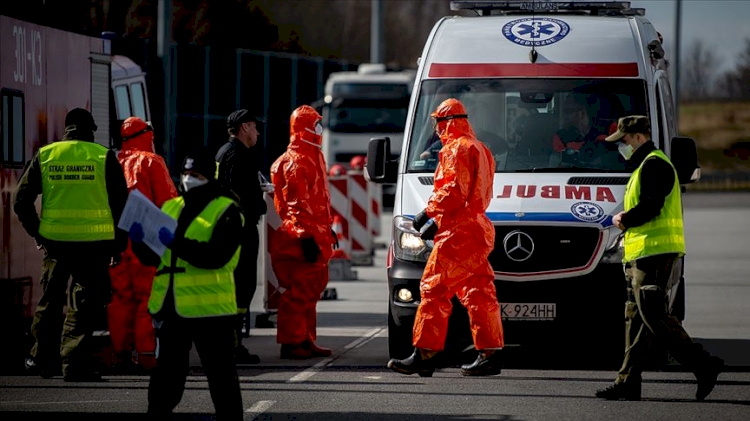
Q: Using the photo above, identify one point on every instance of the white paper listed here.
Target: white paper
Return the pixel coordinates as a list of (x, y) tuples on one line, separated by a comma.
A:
[(141, 210)]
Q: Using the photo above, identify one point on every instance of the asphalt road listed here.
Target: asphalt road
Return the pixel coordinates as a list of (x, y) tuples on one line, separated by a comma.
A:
[(354, 385)]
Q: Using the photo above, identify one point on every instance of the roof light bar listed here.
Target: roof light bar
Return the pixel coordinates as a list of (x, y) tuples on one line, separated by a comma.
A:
[(485, 7)]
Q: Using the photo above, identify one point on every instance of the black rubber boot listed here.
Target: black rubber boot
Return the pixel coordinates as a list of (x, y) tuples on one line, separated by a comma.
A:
[(421, 362), (707, 377), (488, 363)]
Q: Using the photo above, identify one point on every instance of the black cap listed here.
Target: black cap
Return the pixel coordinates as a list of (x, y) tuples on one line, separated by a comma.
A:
[(241, 116), (202, 162), (80, 118)]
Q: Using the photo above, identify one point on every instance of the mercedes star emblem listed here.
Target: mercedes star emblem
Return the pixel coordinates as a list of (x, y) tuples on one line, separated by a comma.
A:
[(518, 246)]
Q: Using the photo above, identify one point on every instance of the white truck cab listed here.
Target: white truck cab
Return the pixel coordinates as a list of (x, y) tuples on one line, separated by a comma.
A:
[(525, 71), (362, 105)]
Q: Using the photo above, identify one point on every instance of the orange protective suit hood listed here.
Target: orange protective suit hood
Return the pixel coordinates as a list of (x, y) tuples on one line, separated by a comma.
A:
[(305, 128), (137, 135), (451, 120)]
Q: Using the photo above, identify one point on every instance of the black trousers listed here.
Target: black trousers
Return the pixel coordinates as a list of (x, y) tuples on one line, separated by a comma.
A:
[(214, 341), (246, 276)]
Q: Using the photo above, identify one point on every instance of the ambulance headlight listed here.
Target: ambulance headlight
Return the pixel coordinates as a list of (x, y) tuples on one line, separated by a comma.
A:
[(408, 245), (614, 251)]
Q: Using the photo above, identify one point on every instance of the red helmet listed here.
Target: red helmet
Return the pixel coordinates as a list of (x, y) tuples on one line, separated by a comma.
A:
[(357, 163), (337, 170)]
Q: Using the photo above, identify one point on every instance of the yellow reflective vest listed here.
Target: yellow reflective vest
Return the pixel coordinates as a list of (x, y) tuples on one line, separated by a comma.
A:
[(75, 203), (663, 234), (197, 292)]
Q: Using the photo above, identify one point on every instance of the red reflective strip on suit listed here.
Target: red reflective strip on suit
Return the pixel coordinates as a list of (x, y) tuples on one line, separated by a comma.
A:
[(533, 70)]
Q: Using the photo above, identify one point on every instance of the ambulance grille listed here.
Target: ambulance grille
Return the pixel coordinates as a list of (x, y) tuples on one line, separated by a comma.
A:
[(427, 181), (555, 248), (598, 181)]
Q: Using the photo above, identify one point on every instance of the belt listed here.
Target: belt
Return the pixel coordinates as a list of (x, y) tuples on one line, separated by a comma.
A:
[(169, 270)]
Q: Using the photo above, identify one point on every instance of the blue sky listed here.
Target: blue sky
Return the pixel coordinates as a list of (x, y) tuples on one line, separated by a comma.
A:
[(722, 25)]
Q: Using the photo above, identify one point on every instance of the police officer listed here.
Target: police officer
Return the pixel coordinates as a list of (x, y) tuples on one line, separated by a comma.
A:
[(238, 165), (654, 241), (83, 192), (193, 295)]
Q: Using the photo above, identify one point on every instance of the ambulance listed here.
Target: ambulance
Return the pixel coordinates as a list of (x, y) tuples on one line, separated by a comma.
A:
[(543, 84)]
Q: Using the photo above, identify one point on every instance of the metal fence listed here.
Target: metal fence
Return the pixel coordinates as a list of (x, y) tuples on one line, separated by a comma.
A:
[(197, 87)]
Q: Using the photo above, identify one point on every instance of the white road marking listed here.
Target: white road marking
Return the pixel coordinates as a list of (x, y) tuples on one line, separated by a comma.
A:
[(259, 408), (366, 337), (306, 374)]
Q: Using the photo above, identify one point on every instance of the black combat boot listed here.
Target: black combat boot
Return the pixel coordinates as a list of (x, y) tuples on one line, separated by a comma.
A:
[(488, 363), (421, 362), (707, 377), (630, 391)]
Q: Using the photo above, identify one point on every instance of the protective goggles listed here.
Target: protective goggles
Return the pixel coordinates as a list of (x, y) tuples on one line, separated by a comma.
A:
[(437, 120)]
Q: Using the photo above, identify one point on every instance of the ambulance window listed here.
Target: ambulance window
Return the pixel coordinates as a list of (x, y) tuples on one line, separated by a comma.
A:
[(138, 99), (13, 122), (123, 102)]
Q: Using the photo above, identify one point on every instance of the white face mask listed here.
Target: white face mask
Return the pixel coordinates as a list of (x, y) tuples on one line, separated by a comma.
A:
[(625, 150), (318, 129), (188, 182)]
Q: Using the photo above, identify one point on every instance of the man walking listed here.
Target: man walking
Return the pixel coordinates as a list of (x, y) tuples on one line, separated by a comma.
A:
[(464, 237), (654, 241)]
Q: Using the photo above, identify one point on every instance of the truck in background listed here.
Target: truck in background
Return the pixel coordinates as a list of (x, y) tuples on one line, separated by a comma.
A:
[(44, 73), (358, 106)]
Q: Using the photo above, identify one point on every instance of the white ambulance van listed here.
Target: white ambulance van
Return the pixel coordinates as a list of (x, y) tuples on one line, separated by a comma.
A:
[(543, 83)]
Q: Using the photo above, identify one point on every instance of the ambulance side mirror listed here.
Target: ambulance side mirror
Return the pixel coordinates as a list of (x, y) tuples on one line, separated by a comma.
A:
[(380, 168), (685, 159)]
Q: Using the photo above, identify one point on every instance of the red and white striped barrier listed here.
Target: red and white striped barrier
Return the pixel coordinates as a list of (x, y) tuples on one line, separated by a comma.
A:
[(376, 206), (338, 187), (359, 223)]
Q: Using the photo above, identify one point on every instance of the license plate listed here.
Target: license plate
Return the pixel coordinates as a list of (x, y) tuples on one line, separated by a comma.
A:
[(528, 311)]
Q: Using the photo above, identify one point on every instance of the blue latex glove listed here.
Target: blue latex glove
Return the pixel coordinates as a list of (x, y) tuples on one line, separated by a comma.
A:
[(165, 236), (136, 233)]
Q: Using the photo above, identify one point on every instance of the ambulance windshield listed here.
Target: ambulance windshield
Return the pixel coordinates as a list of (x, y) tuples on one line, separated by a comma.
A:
[(544, 125)]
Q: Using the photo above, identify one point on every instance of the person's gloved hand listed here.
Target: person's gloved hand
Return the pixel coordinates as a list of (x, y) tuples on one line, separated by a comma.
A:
[(335, 238), (136, 232), (429, 230), (165, 236), (420, 219), (310, 249)]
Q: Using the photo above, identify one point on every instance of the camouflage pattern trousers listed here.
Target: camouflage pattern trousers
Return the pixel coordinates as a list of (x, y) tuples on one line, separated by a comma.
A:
[(69, 340), (648, 321)]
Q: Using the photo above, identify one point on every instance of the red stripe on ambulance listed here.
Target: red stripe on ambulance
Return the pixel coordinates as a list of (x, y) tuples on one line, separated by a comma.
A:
[(533, 70)]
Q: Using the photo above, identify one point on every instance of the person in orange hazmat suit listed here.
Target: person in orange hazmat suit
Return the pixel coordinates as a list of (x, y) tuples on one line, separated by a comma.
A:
[(302, 246), (464, 237), (130, 324)]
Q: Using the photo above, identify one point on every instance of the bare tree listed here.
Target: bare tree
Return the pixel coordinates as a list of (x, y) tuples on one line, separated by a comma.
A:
[(699, 71)]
